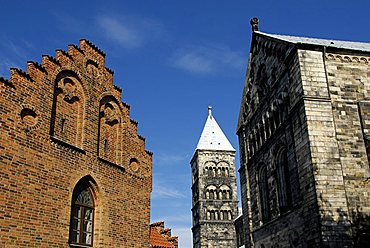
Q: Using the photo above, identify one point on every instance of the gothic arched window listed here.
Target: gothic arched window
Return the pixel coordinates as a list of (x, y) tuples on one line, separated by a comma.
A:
[(284, 189), (82, 216), (264, 194)]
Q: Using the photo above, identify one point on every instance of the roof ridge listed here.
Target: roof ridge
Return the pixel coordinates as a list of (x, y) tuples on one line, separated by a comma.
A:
[(327, 42), (307, 37)]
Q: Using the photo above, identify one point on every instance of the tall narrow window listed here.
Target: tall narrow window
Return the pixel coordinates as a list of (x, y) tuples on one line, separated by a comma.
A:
[(63, 122), (264, 194), (211, 195), (82, 216), (364, 114), (284, 189)]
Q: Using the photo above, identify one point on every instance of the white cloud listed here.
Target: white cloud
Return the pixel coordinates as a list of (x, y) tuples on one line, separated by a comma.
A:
[(18, 50), (5, 67), (164, 192), (177, 218), (169, 159), (194, 62), (130, 32), (13, 54), (126, 31), (206, 60), (119, 32)]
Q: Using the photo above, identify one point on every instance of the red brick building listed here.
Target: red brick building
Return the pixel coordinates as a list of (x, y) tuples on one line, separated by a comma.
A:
[(73, 170), (161, 238)]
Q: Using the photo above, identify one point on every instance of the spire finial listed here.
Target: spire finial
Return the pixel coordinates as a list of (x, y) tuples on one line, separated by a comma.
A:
[(210, 110), (254, 23)]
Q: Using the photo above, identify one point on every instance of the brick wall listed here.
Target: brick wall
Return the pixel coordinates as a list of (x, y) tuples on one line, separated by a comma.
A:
[(60, 121)]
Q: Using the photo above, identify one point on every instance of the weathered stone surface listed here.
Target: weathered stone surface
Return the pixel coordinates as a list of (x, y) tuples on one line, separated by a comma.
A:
[(314, 104), (213, 215)]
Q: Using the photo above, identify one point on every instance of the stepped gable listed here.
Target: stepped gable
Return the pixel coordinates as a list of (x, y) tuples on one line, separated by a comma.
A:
[(6, 82), (40, 84), (66, 135), (160, 237)]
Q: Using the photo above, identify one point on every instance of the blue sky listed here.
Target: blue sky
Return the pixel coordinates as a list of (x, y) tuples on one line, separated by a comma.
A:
[(172, 59)]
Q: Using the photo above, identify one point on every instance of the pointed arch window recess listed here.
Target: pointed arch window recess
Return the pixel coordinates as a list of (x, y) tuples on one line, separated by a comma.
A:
[(82, 217), (284, 187), (264, 195)]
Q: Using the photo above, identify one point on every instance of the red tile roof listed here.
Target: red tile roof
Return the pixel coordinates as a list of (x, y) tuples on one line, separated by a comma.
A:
[(160, 237), (157, 240)]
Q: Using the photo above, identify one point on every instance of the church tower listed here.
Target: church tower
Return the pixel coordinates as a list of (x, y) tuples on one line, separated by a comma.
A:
[(214, 192)]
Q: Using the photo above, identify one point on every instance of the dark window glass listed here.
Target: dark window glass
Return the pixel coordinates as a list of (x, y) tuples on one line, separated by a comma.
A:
[(284, 190), (82, 217), (264, 195)]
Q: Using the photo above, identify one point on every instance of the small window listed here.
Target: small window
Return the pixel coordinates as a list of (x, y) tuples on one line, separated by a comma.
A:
[(211, 195), (82, 216), (63, 122), (105, 145)]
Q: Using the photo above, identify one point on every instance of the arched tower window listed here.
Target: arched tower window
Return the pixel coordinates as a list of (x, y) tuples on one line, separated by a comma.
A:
[(284, 189), (82, 215), (230, 215), (212, 215), (217, 217), (225, 192), (264, 194)]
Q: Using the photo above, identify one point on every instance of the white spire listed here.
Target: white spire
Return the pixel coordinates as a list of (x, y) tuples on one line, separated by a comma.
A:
[(212, 137)]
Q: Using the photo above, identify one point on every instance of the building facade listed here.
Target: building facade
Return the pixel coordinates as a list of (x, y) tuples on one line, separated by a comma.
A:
[(304, 142), (240, 231), (213, 189), (73, 170), (161, 237)]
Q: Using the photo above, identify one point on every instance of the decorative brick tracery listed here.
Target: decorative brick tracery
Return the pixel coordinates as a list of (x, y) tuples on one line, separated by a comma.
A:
[(54, 120)]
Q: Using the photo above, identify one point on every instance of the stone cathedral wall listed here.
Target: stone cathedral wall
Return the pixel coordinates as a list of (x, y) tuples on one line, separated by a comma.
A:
[(338, 129), (274, 121), (323, 122)]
